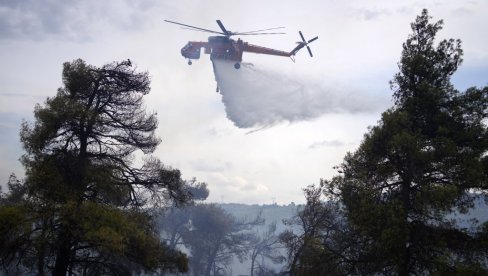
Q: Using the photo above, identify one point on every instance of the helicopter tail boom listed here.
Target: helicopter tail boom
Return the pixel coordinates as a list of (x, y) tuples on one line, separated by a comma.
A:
[(268, 51)]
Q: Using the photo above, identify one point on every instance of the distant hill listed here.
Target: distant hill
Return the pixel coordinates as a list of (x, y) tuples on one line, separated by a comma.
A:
[(271, 213)]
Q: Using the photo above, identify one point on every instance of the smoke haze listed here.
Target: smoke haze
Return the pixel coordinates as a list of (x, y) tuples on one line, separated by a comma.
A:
[(255, 97)]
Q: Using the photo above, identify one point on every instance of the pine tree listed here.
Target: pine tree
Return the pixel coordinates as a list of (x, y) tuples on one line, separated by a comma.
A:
[(425, 160), (85, 206)]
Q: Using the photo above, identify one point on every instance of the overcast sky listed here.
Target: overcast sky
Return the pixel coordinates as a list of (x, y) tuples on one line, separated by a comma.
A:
[(245, 154)]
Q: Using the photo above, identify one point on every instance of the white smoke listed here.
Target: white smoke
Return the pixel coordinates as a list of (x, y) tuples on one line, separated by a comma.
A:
[(263, 98)]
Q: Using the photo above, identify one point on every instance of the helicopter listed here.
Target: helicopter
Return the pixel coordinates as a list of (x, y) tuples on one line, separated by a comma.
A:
[(223, 47)]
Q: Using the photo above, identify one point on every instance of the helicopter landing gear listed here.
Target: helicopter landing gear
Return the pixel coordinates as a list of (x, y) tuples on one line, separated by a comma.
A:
[(237, 65), (189, 62)]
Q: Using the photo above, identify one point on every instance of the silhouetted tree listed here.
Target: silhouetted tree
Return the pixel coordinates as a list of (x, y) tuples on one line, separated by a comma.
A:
[(422, 162), (266, 246), (174, 222), (215, 237), (83, 208), (319, 241)]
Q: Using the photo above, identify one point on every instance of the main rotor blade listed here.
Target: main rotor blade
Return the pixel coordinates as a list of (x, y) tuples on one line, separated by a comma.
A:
[(222, 27), (193, 27), (309, 51), (261, 30), (197, 30), (313, 39), (301, 35), (256, 33)]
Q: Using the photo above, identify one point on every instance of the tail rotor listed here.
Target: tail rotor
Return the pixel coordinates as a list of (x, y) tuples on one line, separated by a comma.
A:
[(305, 42)]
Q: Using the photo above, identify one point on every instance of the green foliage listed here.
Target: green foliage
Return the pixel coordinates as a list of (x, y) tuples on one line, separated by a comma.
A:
[(13, 229), (420, 163), (82, 207), (396, 194)]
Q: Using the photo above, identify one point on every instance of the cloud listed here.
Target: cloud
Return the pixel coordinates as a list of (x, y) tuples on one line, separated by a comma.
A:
[(235, 184), (69, 20), (464, 12), (218, 132), (254, 188), (210, 165), (370, 14), (255, 97), (327, 143)]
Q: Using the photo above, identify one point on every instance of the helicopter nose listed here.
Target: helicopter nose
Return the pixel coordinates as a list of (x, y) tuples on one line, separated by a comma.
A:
[(190, 52), (184, 50)]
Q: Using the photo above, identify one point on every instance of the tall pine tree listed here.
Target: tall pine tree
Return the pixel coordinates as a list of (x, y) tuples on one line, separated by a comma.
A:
[(84, 208), (424, 161)]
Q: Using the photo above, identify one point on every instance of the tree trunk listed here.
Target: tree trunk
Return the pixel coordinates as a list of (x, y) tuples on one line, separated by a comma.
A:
[(40, 266), (253, 259), (211, 260), (62, 259), (404, 265)]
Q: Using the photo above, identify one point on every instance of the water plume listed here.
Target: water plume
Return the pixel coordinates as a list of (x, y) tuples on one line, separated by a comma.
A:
[(260, 98)]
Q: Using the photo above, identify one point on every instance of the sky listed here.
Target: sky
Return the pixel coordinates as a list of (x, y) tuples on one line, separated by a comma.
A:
[(277, 125)]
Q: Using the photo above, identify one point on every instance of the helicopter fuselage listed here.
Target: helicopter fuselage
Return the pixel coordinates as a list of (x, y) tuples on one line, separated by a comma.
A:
[(225, 48), (222, 47), (219, 47)]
